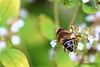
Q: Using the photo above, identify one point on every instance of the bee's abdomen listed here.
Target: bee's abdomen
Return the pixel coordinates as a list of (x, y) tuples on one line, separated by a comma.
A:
[(68, 45)]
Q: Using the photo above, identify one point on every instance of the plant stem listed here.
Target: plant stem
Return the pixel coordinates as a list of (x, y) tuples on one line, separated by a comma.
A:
[(74, 16), (56, 14)]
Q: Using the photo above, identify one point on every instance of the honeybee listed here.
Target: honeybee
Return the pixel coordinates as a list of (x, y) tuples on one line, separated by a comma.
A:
[(63, 37)]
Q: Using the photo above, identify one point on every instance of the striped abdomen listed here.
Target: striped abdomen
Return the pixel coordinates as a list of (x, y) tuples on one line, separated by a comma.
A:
[(68, 44)]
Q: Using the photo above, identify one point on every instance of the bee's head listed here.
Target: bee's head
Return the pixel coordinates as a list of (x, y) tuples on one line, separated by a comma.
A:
[(71, 50), (60, 30)]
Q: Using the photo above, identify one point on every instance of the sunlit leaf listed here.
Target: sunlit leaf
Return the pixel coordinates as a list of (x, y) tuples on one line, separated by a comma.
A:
[(47, 26), (13, 58), (8, 8), (89, 9)]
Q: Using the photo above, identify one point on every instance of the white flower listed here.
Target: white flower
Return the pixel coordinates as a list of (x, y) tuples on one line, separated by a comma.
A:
[(90, 18), (98, 47), (51, 52), (86, 32), (91, 39), (84, 1), (15, 40), (80, 46), (97, 29), (72, 55), (79, 57), (74, 58), (2, 45), (80, 30), (98, 14), (17, 25), (97, 37), (70, 30), (89, 45), (91, 58), (14, 28), (3, 31), (73, 35), (20, 23), (53, 43), (23, 13), (83, 25)]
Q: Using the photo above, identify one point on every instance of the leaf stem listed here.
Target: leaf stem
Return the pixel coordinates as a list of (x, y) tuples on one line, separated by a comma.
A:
[(74, 16), (56, 14)]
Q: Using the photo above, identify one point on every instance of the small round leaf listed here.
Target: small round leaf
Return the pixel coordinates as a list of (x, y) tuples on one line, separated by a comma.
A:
[(47, 26), (70, 4), (88, 9)]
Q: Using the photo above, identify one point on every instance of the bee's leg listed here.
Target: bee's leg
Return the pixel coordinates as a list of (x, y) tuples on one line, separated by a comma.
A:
[(56, 48), (73, 38), (74, 48), (74, 42), (65, 50)]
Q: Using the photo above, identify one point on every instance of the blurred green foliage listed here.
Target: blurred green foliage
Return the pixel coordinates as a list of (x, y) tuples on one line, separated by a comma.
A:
[(47, 27), (35, 42)]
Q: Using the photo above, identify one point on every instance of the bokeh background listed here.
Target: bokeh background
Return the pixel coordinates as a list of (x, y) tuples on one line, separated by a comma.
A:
[(34, 44)]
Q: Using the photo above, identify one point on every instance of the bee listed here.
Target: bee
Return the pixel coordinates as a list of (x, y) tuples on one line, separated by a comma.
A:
[(63, 37)]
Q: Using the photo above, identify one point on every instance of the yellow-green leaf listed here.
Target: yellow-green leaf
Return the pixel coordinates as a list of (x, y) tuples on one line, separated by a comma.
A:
[(88, 9), (8, 8), (13, 58), (47, 26)]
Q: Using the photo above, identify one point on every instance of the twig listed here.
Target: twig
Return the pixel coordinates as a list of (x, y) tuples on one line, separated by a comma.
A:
[(74, 16), (56, 14)]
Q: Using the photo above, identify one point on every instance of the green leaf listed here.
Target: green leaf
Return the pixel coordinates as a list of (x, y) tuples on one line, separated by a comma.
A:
[(47, 26), (88, 9), (69, 3), (8, 8), (96, 3), (62, 59), (13, 58), (97, 59)]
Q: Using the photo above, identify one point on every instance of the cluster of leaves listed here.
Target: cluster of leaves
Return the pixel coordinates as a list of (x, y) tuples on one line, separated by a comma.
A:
[(11, 57), (89, 7)]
